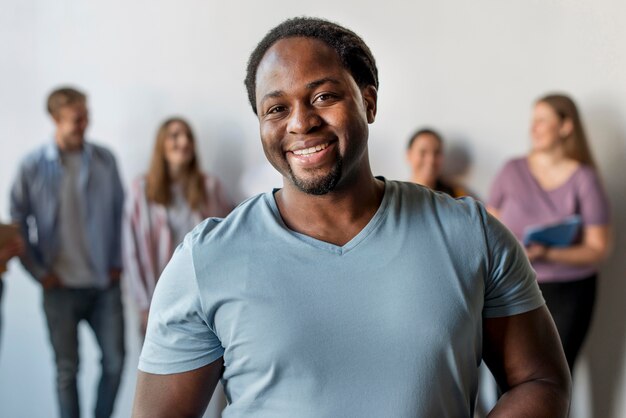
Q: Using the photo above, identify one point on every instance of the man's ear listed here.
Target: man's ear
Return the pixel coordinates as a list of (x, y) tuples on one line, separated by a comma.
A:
[(567, 127), (370, 98)]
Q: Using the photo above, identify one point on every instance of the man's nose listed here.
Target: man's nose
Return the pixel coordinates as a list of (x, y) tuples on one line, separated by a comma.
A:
[(303, 119)]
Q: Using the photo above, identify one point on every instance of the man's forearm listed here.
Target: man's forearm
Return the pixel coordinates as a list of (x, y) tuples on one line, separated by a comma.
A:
[(28, 258), (534, 399)]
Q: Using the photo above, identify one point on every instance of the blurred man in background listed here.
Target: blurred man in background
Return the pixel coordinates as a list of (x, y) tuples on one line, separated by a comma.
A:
[(68, 200)]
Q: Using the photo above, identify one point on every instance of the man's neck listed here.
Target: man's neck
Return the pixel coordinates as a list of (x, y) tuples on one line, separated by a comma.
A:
[(63, 146), (335, 217)]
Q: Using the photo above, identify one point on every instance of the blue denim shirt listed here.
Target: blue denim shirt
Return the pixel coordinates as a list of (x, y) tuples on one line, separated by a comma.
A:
[(35, 202)]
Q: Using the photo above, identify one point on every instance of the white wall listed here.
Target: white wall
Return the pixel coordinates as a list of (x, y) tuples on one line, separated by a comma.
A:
[(471, 69)]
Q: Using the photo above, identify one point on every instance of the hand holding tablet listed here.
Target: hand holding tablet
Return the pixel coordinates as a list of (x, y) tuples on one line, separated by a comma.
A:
[(557, 234)]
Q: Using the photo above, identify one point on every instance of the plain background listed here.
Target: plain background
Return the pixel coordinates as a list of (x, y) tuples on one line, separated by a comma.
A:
[(470, 69)]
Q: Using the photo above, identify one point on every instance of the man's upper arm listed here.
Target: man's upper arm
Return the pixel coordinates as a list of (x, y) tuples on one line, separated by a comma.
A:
[(20, 203), (523, 347), (520, 343), (510, 283), (180, 336), (181, 359), (524, 354), (21, 209), (176, 395)]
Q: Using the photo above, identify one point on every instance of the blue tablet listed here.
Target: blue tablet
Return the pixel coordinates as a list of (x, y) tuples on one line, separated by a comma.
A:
[(558, 234)]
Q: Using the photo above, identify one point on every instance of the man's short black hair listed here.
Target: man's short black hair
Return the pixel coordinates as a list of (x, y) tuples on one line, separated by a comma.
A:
[(355, 55), (423, 131)]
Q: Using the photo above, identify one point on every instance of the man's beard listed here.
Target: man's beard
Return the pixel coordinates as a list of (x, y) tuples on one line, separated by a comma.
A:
[(319, 185)]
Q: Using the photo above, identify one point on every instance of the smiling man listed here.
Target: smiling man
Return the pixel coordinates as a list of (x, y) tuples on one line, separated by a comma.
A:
[(343, 294)]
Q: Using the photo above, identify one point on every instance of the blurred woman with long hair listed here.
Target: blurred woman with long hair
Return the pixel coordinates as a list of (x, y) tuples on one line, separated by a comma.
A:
[(164, 205), (555, 181)]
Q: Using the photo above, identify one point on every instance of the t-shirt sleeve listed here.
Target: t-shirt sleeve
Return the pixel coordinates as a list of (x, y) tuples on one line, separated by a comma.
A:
[(594, 204), (510, 286), (178, 338)]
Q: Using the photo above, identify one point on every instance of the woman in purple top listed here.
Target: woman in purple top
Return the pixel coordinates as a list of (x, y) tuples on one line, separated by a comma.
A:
[(556, 180)]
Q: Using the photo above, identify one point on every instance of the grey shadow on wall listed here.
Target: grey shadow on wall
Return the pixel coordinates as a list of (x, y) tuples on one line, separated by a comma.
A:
[(458, 159), (458, 162), (606, 344), (220, 153)]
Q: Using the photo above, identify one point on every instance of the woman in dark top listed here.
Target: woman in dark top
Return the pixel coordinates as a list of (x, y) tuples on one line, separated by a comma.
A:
[(425, 157)]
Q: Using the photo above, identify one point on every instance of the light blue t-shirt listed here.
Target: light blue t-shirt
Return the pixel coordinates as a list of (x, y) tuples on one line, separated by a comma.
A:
[(389, 325)]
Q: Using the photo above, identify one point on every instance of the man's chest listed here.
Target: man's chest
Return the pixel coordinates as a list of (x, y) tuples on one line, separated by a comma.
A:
[(298, 310)]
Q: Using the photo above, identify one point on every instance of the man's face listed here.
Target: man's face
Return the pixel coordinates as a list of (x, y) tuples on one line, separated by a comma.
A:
[(313, 116), (71, 122)]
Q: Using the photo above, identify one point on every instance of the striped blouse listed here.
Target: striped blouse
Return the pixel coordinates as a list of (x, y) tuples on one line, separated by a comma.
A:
[(148, 239)]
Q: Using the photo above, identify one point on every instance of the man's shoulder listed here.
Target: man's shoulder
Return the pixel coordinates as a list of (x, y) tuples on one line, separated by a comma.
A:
[(36, 155), (33, 164), (243, 223), (424, 201), (100, 152), (423, 211)]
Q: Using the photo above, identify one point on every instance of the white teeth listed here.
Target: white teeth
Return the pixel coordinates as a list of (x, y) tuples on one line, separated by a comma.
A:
[(311, 150)]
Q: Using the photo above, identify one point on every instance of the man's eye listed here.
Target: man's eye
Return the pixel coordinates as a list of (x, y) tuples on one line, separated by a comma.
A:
[(324, 96), (275, 109)]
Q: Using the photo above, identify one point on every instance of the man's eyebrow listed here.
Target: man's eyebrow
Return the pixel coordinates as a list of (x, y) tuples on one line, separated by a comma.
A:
[(272, 94), (309, 86), (317, 83)]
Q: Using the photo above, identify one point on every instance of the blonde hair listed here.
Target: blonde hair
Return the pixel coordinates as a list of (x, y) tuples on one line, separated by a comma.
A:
[(158, 180), (575, 144), (64, 96)]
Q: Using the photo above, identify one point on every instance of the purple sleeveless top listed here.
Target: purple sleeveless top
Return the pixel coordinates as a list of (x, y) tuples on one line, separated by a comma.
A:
[(522, 202)]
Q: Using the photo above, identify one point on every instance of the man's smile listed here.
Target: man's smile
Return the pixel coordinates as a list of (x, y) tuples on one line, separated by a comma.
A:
[(312, 156), (311, 150)]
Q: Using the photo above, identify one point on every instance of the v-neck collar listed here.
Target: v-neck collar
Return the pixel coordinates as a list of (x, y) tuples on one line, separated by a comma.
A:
[(535, 180), (327, 246)]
